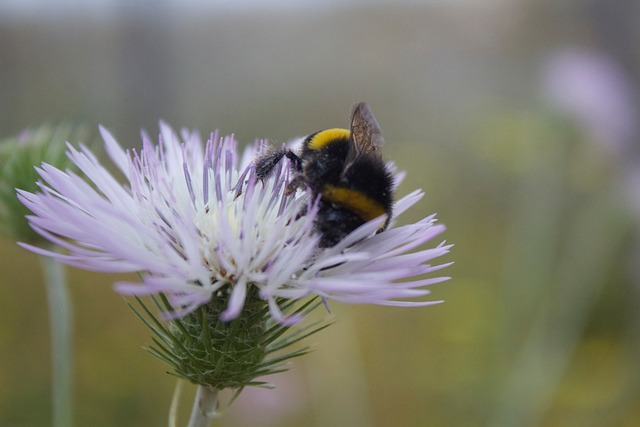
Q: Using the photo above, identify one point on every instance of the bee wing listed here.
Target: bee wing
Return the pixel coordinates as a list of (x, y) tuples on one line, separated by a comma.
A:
[(366, 135)]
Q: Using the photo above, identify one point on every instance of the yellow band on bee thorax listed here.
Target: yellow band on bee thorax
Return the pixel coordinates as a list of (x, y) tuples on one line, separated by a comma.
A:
[(353, 200), (324, 137)]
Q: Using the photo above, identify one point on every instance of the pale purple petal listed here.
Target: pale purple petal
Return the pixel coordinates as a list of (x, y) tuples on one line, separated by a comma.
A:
[(238, 296)]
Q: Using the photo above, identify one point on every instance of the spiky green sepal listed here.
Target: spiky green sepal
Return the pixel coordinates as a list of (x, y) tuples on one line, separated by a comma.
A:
[(235, 354)]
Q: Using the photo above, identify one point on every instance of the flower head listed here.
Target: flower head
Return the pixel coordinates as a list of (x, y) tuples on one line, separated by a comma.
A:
[(196, 223)]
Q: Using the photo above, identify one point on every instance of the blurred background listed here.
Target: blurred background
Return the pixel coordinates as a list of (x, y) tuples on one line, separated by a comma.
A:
[(518, 118)]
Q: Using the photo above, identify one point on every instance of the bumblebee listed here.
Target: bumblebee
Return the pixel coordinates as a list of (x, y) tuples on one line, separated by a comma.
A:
[(345, 168)]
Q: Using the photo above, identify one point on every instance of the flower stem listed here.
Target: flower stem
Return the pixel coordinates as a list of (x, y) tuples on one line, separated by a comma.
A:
[(60, 320), (175, 401), (205, 407)]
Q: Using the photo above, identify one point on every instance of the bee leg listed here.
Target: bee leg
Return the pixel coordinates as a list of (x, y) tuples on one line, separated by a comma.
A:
[(301, 213), (385, 225), (296, 161), (265, 163), (296, 165), (293, 185)]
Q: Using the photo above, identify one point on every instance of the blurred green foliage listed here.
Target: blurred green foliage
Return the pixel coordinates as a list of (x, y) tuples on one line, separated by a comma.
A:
[(19, 156)]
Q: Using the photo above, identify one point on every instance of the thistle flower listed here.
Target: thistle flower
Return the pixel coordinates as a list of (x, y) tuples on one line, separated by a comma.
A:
[(225, 256), (196, 223)]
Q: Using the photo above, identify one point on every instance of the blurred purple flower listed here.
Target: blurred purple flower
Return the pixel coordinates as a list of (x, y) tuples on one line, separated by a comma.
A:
[(264, 407), (194, 222), (595, 91)]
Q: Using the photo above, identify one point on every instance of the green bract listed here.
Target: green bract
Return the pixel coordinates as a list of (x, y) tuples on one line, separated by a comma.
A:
[(202, 348), (18, 156)]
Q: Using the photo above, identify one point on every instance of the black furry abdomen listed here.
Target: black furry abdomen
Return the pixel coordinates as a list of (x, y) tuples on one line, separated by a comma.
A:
[(334, 223)]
